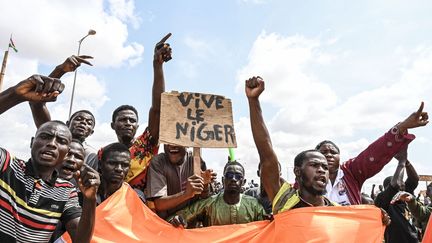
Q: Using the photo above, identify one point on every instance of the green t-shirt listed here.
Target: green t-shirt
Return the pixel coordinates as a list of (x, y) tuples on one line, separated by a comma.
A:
[(217, 212)]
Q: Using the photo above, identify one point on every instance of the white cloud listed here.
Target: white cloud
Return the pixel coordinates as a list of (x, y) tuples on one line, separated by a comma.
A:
[(49, 30), (39, 40), (200, 48), (125, 11), (309, 110)]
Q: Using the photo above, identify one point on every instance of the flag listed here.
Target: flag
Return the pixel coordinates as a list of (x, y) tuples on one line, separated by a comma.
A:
[(12, 45), (124, 218), (427, 237)]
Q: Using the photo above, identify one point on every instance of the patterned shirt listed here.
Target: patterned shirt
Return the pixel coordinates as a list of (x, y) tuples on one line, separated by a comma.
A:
[(142, 151), (31, 208), (217, 212), (288, 198)]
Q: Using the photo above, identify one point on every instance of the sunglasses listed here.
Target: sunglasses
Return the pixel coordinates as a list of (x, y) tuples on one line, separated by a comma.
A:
[(231, 176)]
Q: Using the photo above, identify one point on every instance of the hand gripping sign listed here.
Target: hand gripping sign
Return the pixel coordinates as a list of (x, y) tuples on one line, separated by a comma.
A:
[(196, 120)]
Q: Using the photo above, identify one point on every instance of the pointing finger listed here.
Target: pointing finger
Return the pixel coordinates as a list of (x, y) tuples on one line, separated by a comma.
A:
[(419, 111), (85, 57), (165, 38), (82, 60)]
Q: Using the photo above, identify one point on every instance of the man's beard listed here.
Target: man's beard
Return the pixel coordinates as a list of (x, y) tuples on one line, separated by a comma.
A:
[(310, 189)]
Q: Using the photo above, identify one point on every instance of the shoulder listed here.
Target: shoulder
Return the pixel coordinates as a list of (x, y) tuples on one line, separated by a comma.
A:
[(159, 159), (249, 199), (88, 148)]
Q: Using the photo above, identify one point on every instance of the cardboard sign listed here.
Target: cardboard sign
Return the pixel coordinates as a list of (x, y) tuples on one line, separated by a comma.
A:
[(196, 120)]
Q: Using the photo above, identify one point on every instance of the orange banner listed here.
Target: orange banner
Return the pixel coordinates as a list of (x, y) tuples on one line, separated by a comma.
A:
[(427, 237), (124, 218)]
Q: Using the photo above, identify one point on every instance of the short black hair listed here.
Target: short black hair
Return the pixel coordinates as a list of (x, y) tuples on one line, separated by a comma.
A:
[(122, 108), (84, 111), (299, 159), (327, 141), (387, 181), (235, 162), (113, 147)]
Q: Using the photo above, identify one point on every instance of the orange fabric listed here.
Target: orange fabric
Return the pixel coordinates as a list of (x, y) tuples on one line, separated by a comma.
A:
[(427, 237), (123, 218)]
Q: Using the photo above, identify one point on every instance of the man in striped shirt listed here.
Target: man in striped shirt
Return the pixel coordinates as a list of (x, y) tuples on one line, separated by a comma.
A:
[(33, 199)]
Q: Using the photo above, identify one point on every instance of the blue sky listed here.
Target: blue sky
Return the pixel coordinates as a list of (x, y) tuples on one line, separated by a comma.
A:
[(340, 70)]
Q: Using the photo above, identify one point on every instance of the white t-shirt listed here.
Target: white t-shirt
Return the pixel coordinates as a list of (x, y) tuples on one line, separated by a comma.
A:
[(338, 192)]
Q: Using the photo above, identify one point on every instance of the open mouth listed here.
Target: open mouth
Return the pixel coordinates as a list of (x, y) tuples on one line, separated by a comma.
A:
[(174, 151), (68, 169), (321, 181), (48, 155)]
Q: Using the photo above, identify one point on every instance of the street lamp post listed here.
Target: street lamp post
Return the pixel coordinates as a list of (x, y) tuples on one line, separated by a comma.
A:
[(90, 32)]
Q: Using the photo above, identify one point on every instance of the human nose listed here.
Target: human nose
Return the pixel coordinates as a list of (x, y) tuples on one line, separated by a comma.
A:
[(321, 169), (52, 142), (118, 168)]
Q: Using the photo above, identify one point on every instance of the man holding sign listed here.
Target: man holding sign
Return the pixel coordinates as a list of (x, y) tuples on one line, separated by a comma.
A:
[(171, 182), (193, 120)]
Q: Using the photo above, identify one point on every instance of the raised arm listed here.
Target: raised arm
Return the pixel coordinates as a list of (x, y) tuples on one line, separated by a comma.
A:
[(39, 110), (397, 179), (162, 53), (413, 178), (371, 161), (81, 229), (36, 88), (373, 192), (384, 198), (269, 161)]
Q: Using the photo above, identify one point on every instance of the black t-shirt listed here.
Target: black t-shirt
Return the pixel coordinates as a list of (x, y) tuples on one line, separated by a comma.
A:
[(400, 229)]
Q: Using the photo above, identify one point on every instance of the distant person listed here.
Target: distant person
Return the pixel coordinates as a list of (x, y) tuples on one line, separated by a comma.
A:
[(419, 211), (401, 228)]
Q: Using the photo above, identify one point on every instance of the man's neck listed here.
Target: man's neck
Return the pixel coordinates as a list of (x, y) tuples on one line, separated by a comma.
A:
[(45, 173), (81, 139), (333, 175), (311, 199), (231, 197), (107, 189), (126, 141)]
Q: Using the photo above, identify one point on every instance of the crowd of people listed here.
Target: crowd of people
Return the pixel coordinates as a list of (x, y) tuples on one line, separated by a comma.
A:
[(59, 187)]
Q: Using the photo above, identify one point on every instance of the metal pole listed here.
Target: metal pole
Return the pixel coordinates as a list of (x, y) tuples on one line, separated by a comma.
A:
[(3, 68), (75, 75)]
